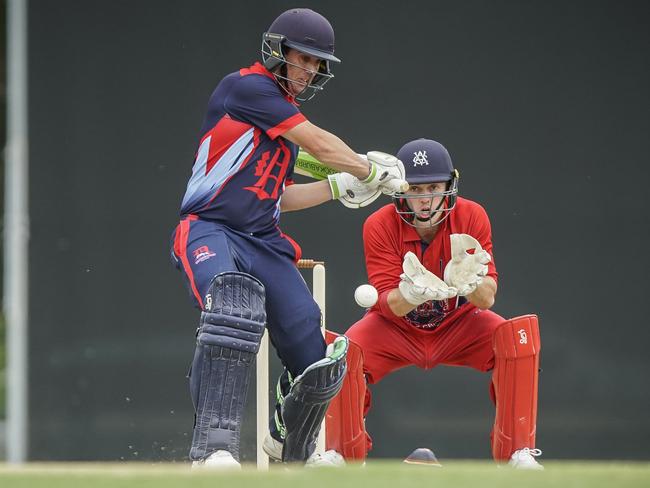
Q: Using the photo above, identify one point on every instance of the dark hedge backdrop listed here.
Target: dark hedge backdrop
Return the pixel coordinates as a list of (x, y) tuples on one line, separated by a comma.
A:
[(543, 106)]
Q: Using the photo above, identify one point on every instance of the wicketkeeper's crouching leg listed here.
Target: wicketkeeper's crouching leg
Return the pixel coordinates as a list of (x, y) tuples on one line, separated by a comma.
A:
[(345, 423), (231, 328), (516, 346)]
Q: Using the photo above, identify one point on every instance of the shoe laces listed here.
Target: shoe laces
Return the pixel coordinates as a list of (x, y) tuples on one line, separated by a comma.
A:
[(532, 452)]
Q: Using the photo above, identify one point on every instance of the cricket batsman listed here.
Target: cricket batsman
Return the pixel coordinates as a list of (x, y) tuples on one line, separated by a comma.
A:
[(429, 255), (238, 265)]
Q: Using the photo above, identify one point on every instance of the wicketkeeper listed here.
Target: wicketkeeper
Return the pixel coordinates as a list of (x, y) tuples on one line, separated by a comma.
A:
[(430, 257)]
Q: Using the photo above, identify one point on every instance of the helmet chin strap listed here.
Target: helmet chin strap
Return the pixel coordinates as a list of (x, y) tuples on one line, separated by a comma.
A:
[(282, 79)]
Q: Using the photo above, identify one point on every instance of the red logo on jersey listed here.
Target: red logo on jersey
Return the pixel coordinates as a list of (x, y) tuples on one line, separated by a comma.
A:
[(271, 172)]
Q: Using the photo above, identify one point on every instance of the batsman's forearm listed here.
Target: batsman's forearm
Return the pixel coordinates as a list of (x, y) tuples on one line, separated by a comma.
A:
[(328, 149), (337, 154), (299, 196)]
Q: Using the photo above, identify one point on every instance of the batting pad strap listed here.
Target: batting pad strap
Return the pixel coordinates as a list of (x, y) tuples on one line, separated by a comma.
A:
[(239, 323), (214, 335)]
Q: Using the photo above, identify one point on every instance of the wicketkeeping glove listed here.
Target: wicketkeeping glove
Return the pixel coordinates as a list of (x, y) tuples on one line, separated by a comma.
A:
[(420, 285), (466, 271)]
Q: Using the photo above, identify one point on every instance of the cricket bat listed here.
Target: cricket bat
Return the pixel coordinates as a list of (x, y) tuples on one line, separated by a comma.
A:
[(308, 165)]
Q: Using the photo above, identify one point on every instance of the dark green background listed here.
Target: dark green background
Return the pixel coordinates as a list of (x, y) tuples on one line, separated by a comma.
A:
[(543, 106)]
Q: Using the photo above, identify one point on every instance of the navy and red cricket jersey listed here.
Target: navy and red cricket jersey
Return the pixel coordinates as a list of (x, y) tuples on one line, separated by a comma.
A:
[(242, 163), (231, 208)]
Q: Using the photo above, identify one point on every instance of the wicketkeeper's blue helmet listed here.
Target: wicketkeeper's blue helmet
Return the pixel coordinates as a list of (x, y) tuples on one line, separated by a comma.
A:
[(427, 161)]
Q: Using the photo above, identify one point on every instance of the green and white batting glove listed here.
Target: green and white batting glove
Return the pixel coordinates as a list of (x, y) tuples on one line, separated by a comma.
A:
[(420, 285), (466, 271), (386, 173), (350, 191)]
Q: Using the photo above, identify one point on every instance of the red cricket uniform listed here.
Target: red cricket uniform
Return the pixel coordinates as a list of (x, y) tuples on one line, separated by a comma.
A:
[(452, 332)]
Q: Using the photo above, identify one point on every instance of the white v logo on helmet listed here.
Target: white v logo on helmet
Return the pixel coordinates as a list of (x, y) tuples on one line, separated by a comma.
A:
[(420, 158)]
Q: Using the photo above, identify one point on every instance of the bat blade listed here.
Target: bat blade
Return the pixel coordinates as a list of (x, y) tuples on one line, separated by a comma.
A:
[(308, 165)]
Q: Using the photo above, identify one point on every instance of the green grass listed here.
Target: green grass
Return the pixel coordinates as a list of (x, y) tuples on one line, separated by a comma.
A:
[(377, 474)]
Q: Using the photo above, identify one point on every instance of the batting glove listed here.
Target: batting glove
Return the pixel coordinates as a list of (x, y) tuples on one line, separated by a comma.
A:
[(350, 191), (386, 173)]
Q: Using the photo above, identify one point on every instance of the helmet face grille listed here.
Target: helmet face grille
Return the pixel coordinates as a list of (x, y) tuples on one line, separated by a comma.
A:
[(442, 210), (273, 59)]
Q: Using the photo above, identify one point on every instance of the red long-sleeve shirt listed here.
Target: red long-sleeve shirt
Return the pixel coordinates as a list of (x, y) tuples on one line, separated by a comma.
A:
[(387, 238)]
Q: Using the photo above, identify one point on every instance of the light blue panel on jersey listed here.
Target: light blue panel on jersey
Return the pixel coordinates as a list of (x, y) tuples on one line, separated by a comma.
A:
[(202, 187)]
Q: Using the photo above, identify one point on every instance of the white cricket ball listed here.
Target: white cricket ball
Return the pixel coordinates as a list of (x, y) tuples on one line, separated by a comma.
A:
[(366, 296)]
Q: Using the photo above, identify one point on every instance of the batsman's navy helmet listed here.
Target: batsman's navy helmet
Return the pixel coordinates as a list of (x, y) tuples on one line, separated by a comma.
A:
[(426, 161), (306, 31)]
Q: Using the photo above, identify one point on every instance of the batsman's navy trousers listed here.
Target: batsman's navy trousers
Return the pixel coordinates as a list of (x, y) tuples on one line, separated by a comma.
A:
[(202, 249)]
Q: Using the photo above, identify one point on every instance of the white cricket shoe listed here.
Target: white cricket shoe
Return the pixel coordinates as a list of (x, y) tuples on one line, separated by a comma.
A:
[(331, 458), (272, 448), (218, 460), (525, 459), (328, 459)]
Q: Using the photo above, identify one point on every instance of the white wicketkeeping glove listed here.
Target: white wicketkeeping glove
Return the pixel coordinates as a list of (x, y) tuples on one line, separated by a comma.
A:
[(466, 271), (420, 285), (386, 173)]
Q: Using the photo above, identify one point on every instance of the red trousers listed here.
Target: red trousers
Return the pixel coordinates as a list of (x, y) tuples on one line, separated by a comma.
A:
[(467, 337), (464, 338)]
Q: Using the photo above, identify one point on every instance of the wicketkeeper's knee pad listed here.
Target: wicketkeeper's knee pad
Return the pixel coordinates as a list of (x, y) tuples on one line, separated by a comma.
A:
[(229, 336), (304, 407), (516, 349), (344, 423)]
